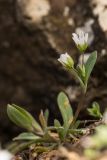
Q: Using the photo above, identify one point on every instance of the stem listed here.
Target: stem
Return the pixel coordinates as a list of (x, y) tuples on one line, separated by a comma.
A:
[(75, 74), (80, 104), (88, 121), (78, 131), (54, 128), (79, 108), (82, 62)]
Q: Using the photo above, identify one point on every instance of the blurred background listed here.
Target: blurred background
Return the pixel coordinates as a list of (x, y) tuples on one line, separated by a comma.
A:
[(33, 34)]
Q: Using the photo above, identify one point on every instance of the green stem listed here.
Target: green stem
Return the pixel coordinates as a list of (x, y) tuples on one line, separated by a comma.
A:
[(82, 62), (78, 131), (54, 128), (75, 74), (79, 108)]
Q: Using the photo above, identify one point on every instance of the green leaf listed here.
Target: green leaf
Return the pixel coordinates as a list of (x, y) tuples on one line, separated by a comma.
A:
[(42, 120), (90, 64), (77, 76), (65, 109), (22, 118), (57, 123), (27, 136), (35, 124), (60, 130), (75, 125), (46, 115), (17, 147), (95, 110), (81, 71)]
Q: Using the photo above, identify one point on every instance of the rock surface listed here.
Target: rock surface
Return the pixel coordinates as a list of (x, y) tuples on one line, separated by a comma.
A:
[(100, 10)]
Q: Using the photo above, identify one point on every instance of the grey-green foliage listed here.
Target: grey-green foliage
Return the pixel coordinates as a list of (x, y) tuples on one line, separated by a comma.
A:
[(27, 136), (95, 110), (82, 72), (41, 132), (59, 129), (66, 112), (22, 118), (89, 65), (65, 109), (37, 131)]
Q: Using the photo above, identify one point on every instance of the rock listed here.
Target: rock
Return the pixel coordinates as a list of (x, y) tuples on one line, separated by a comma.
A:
[(32, 11), (100, 10), (102, 20)]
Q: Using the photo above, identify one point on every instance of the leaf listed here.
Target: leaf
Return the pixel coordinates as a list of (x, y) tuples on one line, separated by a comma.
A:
[(95, 110), (77, 76), (81, 71), (65, 109), (90, 64), (57, 123), (22, 118), (42, 120), (18, 147), (35, 124), (27, 136), (75, 125), (46, 115), (59, 129)]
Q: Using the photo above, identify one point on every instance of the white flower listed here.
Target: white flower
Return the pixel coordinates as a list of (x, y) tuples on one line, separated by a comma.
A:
[(66, 60), (5, 155), (81, 40)]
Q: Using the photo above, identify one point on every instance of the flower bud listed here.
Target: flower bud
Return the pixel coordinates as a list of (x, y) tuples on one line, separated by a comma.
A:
[(66, 61), (81, 70)]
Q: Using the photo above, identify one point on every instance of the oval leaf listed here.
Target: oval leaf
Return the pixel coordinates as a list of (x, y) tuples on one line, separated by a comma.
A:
[(22, 118), (65, 108)]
